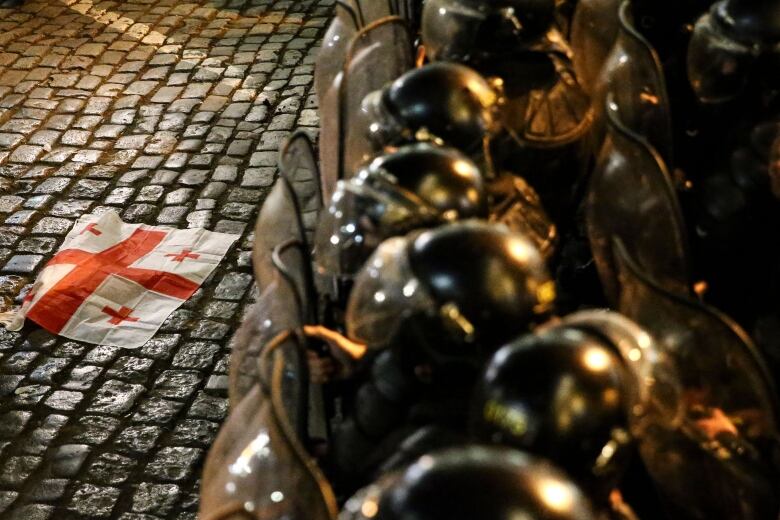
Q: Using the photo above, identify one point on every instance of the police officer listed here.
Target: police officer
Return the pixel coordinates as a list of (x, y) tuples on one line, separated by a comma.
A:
[(430, 308), (450, 104), (570, 393)]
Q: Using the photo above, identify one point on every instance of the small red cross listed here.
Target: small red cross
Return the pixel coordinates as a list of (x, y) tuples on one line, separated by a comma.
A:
[(117, 317), (92, 229), (185, 253)]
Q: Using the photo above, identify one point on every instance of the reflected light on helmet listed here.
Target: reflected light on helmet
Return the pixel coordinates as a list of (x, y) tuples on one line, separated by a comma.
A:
[(520, 250), (556, 495), (596, 359), (462, 168), (545, 294), (644, 341), (370, 508), (511, 419), (489, 97)]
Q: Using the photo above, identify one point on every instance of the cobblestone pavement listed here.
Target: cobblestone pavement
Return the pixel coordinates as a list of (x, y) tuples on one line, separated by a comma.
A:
[(168, 113)]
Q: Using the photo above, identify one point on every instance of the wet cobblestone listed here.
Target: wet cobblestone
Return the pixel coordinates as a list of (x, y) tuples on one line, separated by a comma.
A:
[(169, 113)]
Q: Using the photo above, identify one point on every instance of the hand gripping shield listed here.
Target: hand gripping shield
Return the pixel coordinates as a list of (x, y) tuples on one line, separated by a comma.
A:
[(377, 54), (718, 459)]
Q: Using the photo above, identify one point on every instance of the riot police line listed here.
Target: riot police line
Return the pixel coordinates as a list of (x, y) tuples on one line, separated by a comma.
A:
[(527, 273)]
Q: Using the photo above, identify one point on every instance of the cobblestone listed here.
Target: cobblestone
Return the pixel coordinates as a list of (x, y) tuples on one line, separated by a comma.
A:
[(169, 113)]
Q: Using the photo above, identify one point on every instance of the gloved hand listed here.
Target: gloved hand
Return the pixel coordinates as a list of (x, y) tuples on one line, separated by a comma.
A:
[(344, 353)]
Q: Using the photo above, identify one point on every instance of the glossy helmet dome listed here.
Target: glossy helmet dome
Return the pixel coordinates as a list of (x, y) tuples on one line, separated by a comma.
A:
[(416, 186), (443, 102), (458, 291), (727, 45), (471, 483), (561, 394), (462, 30)]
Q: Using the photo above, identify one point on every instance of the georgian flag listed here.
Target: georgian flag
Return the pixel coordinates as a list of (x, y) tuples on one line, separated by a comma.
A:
[(113, 283)]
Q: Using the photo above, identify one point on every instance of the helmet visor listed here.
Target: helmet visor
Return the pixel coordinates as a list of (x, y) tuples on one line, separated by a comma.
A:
[(364, 211), (383, 128), (449, 29), (385, 294)]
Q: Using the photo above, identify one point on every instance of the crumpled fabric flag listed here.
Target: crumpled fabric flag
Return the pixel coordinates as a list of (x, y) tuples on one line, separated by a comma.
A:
[(113, 283)]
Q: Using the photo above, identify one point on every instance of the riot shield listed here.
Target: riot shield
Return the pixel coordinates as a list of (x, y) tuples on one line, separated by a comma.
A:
[(282, 262), (379, 53), (332, 54), (299, 168), (630, 196), (632, 75), (369, 11), (258, 468), (718, 460), (594, 30), (350, 17)]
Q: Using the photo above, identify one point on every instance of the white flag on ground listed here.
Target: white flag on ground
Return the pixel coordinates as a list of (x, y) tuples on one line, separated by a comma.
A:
[(113, 283)]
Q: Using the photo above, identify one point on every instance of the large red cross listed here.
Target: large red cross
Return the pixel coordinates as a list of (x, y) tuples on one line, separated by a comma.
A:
[(53, 310)]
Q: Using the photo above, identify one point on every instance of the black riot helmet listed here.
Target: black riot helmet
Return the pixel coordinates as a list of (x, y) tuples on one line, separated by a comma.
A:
[(737, 39), (457, 292), (442, 102), (416, 186), (560, 394), (464, 30), (579, 392), (471, 483)]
